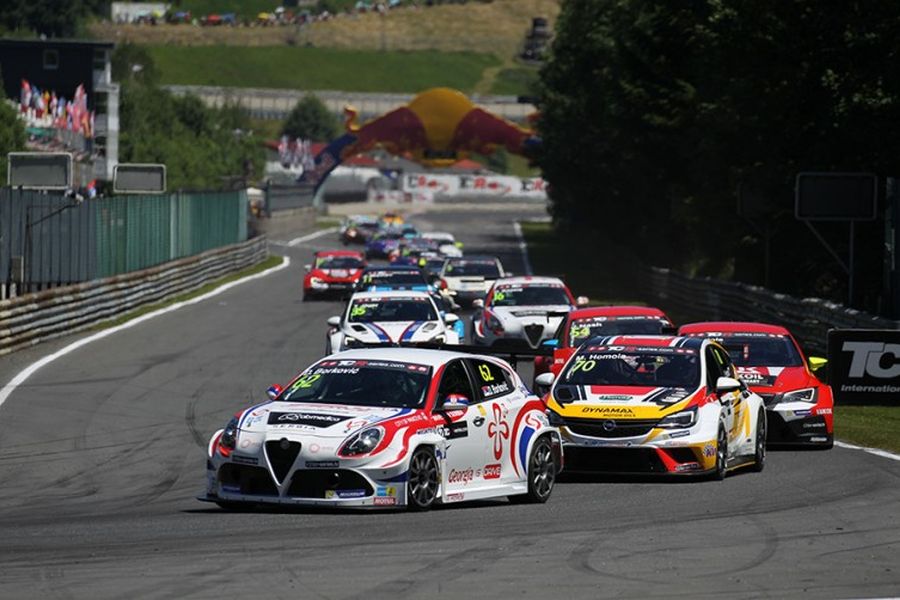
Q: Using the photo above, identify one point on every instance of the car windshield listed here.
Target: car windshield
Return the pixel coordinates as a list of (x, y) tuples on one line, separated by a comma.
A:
[(530, 295), (465, 268), (581, 330), (411, 277), (761, 350), (338, 262), (361, 383), (633, 366), (367, 310)]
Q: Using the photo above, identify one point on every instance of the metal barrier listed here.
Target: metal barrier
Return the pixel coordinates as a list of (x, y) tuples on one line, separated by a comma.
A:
[(50, 240), (34, 318), (707, 299)]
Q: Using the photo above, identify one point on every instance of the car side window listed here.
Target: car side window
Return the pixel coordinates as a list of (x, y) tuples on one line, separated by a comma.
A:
[(725, 363), (455, 380), (713, 370), (491, 379)]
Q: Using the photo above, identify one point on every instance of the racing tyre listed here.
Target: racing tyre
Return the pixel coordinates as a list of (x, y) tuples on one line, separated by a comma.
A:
[(424, 481), (721, 454), (759, 458), (541, 474)]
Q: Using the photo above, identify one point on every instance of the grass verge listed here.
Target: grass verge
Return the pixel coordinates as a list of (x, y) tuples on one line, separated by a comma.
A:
[(320, 68), (270, 262), (870, 426)]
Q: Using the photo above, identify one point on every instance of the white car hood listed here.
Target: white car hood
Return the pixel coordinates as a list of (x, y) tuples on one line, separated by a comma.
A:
[(532, 314), (392, 332), (320, 420)]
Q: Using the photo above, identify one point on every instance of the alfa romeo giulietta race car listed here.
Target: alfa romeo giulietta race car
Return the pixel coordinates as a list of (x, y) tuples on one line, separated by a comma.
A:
[(522, 311), (799, 406), (390, 318), (388, 427), (656, 404)]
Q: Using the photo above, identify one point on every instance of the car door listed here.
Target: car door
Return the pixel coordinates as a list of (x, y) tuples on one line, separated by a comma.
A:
[(713, 372), (739, 434), (499, 410), (466, 446)]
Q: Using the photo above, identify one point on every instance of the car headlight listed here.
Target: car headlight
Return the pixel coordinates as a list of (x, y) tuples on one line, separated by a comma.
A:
[(680, 420), (228, 440), (554, 418), (804, 395), (362, 443)]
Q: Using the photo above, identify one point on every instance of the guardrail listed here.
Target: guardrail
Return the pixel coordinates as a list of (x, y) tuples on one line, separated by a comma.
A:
[(33, 318), (708, 299)]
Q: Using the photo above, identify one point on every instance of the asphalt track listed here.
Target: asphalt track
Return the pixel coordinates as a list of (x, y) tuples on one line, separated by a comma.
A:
[(102, 455)]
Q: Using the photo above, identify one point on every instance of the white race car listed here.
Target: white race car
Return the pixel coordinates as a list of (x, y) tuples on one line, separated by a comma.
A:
[(448, 246), (522, 311), (656, 404), (388, 427), (398, 317), (469, 279)]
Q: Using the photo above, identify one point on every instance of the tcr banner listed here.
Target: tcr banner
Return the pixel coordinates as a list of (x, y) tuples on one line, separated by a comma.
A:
[(864, 366)]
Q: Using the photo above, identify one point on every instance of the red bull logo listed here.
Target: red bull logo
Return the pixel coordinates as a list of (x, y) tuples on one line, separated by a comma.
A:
[(436, 127)]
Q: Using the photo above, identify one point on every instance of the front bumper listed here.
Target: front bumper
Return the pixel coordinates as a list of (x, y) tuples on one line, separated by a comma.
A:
[(790, 430)]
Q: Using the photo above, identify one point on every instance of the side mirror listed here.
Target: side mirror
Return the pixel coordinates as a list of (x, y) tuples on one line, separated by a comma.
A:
[(455, 402), (544, 380), (458, 244), (450, 318), (582, 301), (551, 343), (478, 303), (274, 391), (816, 363), (725, 385), (334, 322), (307, 267)]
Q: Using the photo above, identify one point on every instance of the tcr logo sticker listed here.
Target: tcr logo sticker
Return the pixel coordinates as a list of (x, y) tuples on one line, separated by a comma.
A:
[(869, 359)]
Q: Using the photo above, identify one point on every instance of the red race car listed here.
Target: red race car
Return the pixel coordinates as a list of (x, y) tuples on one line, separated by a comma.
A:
[(799, 406), (584, 323), (333, 273)]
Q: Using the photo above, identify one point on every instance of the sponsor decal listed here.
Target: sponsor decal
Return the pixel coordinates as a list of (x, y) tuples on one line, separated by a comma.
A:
[(498, 430), (678, 434), (612, 411), (823, 411), (818, 439), (384, 501), (332, 494), (231, 489), (454, 497), (802, 413), (612, 398), (303, 418), (691, 466), (709, 450), (244, 460), (463, 476), (454, 431), (813, 425), (322, 464), (492, 471), (386, 491)]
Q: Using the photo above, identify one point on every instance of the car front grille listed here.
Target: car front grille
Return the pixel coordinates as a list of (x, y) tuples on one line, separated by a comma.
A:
[(534, 333), (610, 428), (250, 481), (314, 483), (281, 455)]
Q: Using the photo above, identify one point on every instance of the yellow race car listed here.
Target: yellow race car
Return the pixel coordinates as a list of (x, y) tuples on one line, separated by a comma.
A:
[(655, 404)]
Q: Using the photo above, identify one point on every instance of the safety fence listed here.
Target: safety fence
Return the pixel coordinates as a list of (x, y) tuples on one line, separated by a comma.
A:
[(33, 318), (707, 299), (288, 197), (52, 240)]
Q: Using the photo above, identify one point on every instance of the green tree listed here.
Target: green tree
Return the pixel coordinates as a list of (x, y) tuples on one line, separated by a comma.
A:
[(652, 114), (53, 18), (12, 134), (310, 119)]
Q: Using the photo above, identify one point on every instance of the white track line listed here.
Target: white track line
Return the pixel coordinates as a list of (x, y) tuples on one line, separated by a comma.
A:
[(875, 451), (311, 236), (523, 247), (23, 375)]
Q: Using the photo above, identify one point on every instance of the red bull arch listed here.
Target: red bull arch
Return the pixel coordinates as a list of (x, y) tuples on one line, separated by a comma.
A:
[(436, 127)]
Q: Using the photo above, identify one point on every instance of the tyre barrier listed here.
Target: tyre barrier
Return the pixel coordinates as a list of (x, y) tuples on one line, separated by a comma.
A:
[(34, 318), (708, 299)]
